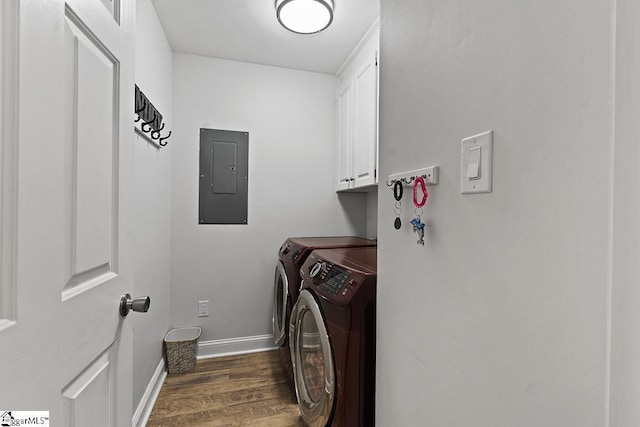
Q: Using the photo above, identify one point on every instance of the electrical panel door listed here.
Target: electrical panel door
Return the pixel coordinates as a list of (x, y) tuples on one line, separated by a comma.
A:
[(224, 176)]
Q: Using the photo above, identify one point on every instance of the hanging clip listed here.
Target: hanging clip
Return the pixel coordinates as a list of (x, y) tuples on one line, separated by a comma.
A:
[(418, 225), (397, 190), (425, 194)]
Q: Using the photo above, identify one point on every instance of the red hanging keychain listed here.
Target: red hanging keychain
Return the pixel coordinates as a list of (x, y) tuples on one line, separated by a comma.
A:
[(418, 225), (425, 194)]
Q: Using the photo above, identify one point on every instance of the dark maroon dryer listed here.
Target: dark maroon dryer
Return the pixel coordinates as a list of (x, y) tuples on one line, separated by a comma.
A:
[(332, 337), (292, 254)]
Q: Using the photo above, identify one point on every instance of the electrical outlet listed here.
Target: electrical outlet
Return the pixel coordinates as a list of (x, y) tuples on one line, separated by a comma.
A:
[(203, 308)]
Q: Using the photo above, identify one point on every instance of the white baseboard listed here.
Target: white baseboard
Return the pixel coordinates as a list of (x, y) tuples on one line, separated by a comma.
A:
[(231, 346), (143, 411)]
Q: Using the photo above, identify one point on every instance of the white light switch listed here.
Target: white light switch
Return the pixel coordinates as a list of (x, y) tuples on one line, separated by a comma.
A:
[(473, 166), (476, 164)]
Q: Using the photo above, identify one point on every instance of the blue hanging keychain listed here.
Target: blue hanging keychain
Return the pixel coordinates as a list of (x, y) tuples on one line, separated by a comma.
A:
[(418, 225)]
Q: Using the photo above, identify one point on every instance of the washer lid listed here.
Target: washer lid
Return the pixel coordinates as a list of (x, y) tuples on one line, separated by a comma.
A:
[(331, 242)]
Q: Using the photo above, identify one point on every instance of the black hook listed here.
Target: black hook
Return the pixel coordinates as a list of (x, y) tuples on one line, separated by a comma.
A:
[(166, 137), (144, 105), (157, 132), (149, 124)]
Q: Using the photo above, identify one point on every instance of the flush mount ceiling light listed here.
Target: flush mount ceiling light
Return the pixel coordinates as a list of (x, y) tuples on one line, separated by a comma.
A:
[(304, 16)]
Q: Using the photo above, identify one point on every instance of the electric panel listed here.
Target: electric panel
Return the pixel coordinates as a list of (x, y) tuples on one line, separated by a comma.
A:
[(224, 176)]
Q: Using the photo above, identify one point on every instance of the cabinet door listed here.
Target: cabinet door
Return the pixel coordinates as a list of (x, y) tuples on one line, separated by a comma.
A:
[(343, 176), (365, 135)]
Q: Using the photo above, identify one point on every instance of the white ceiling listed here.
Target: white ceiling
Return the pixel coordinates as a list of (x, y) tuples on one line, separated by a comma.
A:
[(248, 31)]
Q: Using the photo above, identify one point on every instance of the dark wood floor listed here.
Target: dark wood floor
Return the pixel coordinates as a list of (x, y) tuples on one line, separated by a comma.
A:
[(232, 391)]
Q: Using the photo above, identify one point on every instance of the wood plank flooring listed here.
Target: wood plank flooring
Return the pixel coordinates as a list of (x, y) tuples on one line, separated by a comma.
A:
[(232, 391)]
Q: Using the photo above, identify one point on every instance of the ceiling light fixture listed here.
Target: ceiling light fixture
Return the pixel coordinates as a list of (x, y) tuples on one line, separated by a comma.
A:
[(304, 16)]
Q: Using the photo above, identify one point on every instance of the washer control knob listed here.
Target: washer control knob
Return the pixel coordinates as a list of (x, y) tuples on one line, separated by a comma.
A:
[(317, 269)]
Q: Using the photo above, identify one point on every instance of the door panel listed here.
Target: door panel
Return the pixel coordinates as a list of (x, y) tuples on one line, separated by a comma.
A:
[(8, 148), (90, 113), (83, 399), (365, 129), (113, 8), (71, 349)]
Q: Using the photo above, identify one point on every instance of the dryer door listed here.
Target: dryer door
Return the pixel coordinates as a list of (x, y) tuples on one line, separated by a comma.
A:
[(314, 370), (281, 305)]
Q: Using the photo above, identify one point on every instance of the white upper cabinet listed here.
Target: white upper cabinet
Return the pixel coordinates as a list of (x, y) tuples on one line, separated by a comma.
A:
[(357, 111)]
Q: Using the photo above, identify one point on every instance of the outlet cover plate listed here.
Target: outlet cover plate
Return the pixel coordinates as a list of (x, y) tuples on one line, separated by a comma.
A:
[(203, 308)]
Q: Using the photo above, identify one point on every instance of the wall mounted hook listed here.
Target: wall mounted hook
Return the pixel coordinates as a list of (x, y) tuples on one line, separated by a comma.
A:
[(140, 110), (148, 124), (162, 140), (156, 133)]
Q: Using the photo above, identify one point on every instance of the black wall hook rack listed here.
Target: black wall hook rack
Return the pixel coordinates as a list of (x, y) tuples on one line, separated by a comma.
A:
[(404, 181), (430, 175), (150, 120)]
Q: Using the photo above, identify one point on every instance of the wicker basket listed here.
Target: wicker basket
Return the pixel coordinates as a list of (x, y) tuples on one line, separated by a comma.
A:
[(181, 348)]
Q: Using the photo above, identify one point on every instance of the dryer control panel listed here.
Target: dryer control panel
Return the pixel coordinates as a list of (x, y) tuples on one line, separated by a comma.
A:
[(290, 251), (334, 280), (337, 278)]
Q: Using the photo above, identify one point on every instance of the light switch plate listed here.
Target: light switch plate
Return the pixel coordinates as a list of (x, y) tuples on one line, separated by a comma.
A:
[(482, 184)]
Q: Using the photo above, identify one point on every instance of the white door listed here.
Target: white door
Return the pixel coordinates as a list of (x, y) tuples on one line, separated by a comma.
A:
[(66, 246)]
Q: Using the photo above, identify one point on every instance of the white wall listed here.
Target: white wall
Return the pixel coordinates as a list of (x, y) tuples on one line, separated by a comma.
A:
[(290, 118), (372, 214), (153, 198), (625, 355), (501, 319)]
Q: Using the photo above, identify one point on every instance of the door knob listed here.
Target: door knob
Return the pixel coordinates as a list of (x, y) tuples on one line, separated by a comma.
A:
[(140, 304)]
